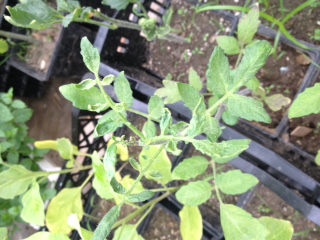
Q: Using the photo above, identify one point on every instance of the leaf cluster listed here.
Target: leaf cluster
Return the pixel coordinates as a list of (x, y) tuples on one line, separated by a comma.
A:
[(158, 138)]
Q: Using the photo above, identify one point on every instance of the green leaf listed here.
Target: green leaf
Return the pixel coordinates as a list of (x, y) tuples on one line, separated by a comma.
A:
[(198, 120), (253, 84), (277, 101), (104, 228), (135, 164), (212, 128), (247, 108), (4, 47), (82, 99), (254, 58), (3, 233), (218, 73), (109, 123), (22, 115), (116, 4), (91, 57), (224, 151), (194, 79), (127, 182), (68, 19), (237, 224), (235, 182), (172, 147), (166, 121), (190, 223), (67, 5), (15, 181), (65, 148), (67, 202), (155, 107), (13, 157), (278, 229), (100, 182), (5, 113), (86, 84), (161, 164), (34, 14), (190, 168), (229, 45), (149, 129), (74, 223), (18, 104), (109, 161), (195, 193), (170, 92), (107, 80), (229, 118), (127, 232), (248, 26), (117, 187), (123, 90), (191, 97), (140, 197), (308, 102), (33, 206), (47, 236)]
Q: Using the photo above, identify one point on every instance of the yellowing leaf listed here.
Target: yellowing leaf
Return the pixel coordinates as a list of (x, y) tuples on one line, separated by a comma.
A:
[(33, 207), (279, 229), (277, 101), (191, 223), (67, 202), (127, 232), (122, 150), (237, 224), (161, 164), (47, 236), (46, 144), (73, 222)]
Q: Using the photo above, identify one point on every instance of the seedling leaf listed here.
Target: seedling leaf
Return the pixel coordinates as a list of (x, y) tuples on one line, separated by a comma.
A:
[(247, 108), (308, 102), (235, 182), (34, 14), (123, 90), (195, 193), (218, 73), (229, 45), (194, 79), (67, 202), (104, 228), (170, 92), (248, 26), (82, 99), (90, 55), (277, 101), (155, 107), (116, 4), (238, 224), (254, 58), (140, 197), (127, 232), (278, 229), (109, 123), (191, 223), (33, 206), (190, 168)]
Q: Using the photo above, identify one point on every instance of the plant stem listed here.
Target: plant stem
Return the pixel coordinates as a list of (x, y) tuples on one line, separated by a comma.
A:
[(117, 22), (91, 217), (140, 210), (18, 36), (144, 215), (64, 171), (111, 104), (87, 179), (211, 110), (213, 163)]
